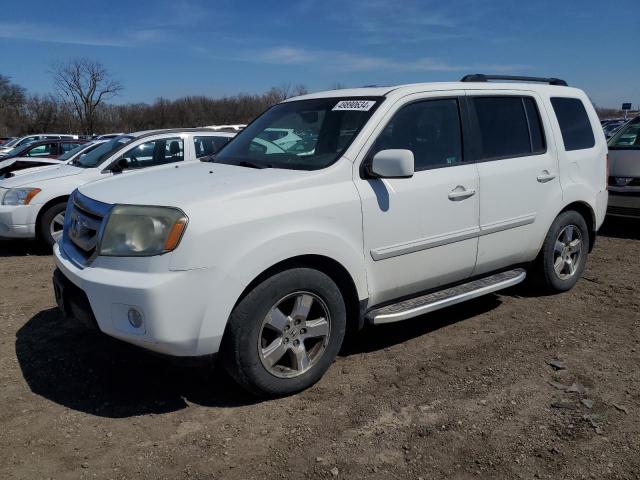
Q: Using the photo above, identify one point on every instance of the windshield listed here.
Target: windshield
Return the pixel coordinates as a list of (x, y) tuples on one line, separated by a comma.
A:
[(72, 152), (101, 153), (26, 141), (628, 137), (300, 135), (14, 151), (10, 143)]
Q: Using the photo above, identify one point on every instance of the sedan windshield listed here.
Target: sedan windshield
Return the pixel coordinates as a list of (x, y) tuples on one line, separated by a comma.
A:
[(72, 152), (300, 135), (101, 153), (628, 137), (10, 143)]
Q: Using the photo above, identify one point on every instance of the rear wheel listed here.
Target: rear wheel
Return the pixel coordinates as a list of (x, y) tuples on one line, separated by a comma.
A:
[(285, 333), (563, 257), (51, 224)]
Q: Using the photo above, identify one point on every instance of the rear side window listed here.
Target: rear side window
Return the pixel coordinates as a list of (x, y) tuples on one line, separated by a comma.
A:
[(508, 127), (574, 123)]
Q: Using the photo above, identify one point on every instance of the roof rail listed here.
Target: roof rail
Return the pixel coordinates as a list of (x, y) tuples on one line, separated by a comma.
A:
[(479, 77)]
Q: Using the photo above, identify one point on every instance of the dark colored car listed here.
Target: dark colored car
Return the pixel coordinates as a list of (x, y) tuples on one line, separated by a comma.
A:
[(43, 148)]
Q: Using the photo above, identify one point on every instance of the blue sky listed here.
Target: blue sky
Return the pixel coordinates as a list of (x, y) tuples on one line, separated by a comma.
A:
[(173, 48)]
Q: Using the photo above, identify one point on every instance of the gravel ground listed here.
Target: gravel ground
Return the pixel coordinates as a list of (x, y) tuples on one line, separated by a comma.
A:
[(507, 386)]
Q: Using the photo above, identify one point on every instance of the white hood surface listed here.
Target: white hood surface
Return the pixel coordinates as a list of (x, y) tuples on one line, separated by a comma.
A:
[(36, 178), (181, 185)]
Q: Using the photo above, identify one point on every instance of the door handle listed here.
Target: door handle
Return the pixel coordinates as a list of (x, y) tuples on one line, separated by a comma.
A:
[(460, 193), (545, 176)]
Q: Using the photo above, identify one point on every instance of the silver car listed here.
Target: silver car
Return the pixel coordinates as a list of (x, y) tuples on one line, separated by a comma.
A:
[(624, 171)]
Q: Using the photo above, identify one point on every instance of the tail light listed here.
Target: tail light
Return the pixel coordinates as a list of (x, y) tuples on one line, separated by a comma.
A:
[(606, 177)]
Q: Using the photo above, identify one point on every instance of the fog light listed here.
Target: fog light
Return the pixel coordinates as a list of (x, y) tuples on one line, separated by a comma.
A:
[(135, 318)]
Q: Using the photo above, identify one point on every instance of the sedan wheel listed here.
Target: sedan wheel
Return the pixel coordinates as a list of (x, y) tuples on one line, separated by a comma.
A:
[(56, 226)]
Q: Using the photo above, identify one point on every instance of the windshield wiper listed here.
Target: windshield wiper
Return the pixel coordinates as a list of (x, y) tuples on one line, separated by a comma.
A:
[(245, 163)]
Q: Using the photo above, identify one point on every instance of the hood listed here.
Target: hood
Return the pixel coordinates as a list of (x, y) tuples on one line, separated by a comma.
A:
[(624, 163), (33, 179), (189, 183)]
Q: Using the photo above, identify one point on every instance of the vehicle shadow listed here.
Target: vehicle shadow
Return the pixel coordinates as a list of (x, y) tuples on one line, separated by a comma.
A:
[(21, 248), (620, 227), (379, 337), (92, 373)]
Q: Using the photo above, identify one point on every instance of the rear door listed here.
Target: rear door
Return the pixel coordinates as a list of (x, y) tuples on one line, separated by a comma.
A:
[(518, 169)]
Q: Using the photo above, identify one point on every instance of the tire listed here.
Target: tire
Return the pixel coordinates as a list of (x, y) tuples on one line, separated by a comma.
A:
[(47, 219), (568, 238), (283, 316)]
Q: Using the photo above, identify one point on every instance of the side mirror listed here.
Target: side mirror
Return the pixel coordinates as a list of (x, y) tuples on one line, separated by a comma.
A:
[(120, 165), (393, 163)]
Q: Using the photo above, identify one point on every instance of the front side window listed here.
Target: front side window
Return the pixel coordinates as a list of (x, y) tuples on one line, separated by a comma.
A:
[(575, 126), (430, 129), (508, 126), (42, 150), (628, 138), (155, 152), (209, 145), (300, 135)]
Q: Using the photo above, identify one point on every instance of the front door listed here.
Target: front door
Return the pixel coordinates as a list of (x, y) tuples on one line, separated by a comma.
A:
[(420, 232)]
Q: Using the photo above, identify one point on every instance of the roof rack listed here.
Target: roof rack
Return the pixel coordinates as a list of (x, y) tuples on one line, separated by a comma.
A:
[(479, 77)]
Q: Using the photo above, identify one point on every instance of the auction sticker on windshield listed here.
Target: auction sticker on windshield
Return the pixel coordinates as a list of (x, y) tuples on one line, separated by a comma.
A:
[(358, 105)]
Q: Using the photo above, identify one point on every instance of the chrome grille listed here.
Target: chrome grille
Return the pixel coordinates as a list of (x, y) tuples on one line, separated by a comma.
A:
[(83, 226)]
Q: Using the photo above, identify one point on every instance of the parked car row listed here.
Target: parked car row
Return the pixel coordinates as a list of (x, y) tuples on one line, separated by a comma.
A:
[(34, 201), (22, 141), (624, 171)]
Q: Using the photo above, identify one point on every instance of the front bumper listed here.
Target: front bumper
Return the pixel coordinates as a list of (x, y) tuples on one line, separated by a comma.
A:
[(18, 221), (624, 205), (171, 306)]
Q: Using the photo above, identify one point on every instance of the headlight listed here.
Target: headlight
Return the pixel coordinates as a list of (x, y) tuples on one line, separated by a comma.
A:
[(19, 196), (142, 231)]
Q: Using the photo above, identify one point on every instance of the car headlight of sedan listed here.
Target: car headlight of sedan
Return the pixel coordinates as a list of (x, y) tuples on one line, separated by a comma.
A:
[(137, 231), (18, 196)]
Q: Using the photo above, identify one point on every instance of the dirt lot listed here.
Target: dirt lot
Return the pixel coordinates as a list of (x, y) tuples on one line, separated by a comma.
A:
[(465, 393)]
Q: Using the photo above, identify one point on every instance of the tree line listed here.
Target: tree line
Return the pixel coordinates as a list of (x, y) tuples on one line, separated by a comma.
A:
[(83, 89), (80, 104)]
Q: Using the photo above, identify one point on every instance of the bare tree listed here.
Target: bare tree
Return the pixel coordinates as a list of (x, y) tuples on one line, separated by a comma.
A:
[(12, 98), (85, 84)]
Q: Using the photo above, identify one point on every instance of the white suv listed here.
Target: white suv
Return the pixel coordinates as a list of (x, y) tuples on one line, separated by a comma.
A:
[(33, 205), (402, 200)]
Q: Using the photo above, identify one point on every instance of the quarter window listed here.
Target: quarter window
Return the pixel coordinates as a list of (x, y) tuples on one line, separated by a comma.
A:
[(430, 129), (508, 127), (155, 152), (575, 126)]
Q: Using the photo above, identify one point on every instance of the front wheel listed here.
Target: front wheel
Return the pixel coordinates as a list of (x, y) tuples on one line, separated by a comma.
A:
[(285, 333), (563, 257), (51, 224)]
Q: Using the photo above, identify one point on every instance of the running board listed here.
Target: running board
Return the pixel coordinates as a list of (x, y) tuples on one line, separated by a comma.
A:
[(414, 307)]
